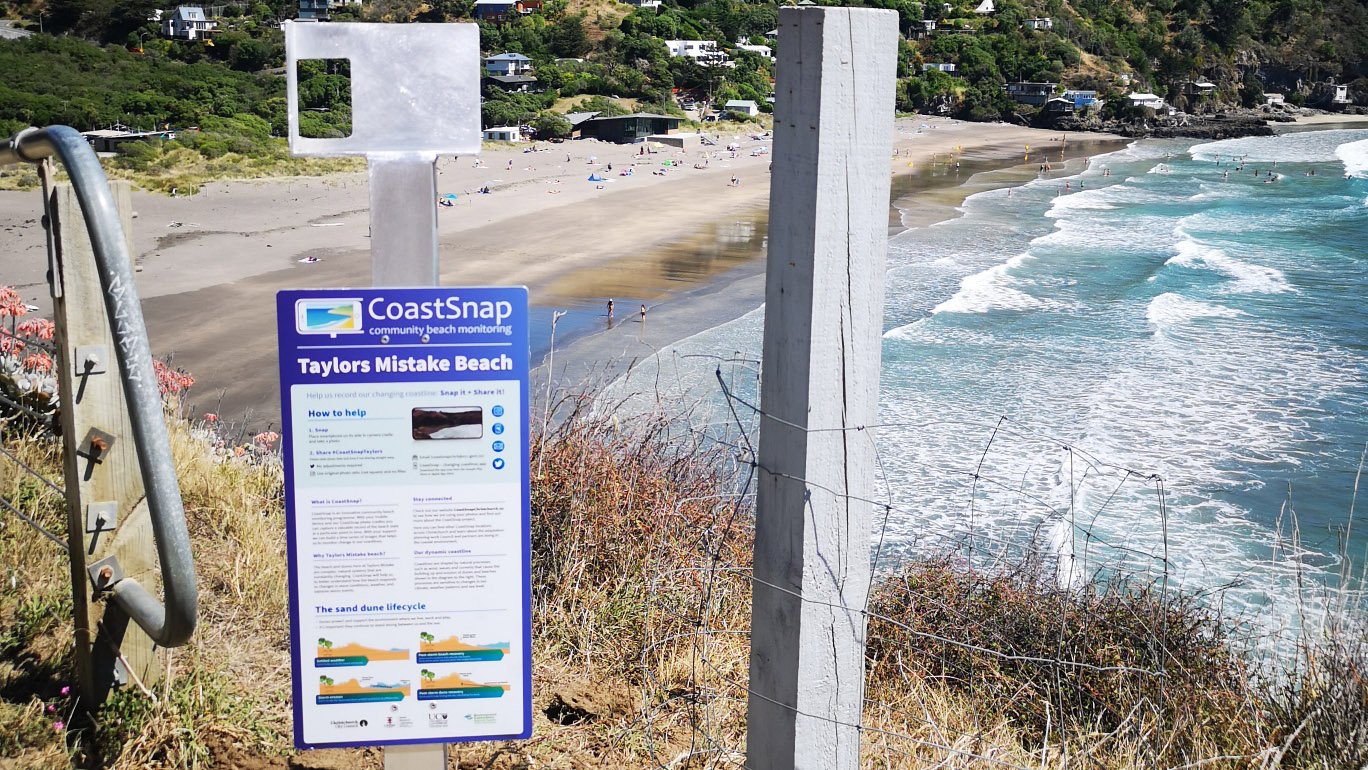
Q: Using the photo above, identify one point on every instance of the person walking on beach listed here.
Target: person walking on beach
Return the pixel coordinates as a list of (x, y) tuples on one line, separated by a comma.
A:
[(610, 308), (643, 313)]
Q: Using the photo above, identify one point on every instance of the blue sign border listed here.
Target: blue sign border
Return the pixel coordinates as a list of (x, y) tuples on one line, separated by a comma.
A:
[(290, 341)]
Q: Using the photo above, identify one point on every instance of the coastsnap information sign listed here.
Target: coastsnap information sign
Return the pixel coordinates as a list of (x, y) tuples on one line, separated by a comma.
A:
[(406, 488)]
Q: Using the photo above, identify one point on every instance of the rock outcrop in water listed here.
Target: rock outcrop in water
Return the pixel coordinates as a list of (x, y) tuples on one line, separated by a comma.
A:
[(1221, 125)]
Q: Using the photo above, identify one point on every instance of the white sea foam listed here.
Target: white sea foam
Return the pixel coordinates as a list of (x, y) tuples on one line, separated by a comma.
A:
[(1246, 278), (1307, 147), (1171, 309), (1097, 199), (991, 290), (1354, 156)]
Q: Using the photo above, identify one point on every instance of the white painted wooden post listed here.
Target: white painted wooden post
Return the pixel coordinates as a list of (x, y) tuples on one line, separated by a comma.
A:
[(824, 298)]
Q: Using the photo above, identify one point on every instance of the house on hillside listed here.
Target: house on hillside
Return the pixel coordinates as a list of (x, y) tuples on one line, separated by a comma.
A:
[(745, 44), (1199, 88), (945, 67), (1039, 23), (643, 3), (1035, 94), (745, 107), (1143, 99), (321, 10), (513, 84), (921, 29), (627, 129), (508, 64), (1274, 100), (188, 22), (498, 10), (1330, 94), (704, 52), (986, 7), (1060, 106), (1082, 99)]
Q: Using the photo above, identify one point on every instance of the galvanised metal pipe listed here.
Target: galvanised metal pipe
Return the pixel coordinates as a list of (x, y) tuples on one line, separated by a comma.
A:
[(168, 625)]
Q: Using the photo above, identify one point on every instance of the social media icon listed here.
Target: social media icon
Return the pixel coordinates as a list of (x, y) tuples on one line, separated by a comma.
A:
[(498, 463), (498, 446), (497, 411), (497, 428)]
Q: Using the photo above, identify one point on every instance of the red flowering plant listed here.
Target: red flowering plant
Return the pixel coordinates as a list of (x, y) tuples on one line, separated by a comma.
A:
[(28, 384), (28, 372)]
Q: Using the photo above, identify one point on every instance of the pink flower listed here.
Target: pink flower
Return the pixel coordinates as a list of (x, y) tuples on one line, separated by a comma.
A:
[(40, 328), (171, 381), (267, 438), (38, 362), (11, 304), (51, 709), (210, 417), (58, 726), (66, 689)]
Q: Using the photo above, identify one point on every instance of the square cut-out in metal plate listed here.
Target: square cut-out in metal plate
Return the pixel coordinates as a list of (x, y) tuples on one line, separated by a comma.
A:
[(415, 87)]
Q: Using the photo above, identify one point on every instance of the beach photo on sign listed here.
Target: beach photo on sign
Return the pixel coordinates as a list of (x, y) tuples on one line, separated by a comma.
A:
[(444, 422)]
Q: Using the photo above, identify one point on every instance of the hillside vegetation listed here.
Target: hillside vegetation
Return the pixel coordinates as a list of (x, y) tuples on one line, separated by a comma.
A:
[(610, 49)]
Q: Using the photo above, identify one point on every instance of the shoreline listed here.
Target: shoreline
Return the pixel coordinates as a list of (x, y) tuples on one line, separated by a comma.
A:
[(918, 200), (209, 265)]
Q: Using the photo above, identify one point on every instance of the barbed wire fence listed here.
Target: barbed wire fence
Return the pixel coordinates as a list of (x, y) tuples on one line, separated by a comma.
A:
[(1098, 657)]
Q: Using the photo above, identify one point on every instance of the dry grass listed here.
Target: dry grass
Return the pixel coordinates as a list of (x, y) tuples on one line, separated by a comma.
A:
[(641, 601), (185, 170)]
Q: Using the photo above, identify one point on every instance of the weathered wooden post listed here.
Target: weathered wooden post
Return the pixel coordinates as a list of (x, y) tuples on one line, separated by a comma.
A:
[(107, 513), (823, 327)]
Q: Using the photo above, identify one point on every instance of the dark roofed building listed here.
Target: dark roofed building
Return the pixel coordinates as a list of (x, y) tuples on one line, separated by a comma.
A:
[(627, 129), (512, 83)]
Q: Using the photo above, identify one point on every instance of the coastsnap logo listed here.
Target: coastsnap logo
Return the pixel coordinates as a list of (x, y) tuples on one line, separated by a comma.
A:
[(328, 316)]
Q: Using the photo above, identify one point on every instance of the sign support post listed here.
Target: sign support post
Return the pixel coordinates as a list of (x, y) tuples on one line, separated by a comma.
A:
[(824, 295), (403, 217), (400, 134)]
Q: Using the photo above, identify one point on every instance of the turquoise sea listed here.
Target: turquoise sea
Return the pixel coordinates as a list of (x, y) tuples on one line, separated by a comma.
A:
[(1159, 369)]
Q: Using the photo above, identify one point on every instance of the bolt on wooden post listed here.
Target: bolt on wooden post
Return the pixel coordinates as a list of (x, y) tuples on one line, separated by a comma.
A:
[(824, 298)]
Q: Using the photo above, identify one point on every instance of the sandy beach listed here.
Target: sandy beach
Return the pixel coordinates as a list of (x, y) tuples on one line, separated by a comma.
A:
[(211, 263)]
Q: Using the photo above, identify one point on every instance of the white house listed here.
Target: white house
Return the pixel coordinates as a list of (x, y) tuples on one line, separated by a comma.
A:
[(946, 67), (744, 44), (703, 52), (643, 3), (503, 134), (1145, 100), (985, 7), (1274, 99), (508, 64), (744, 106), (188, 22), (1038, 23)]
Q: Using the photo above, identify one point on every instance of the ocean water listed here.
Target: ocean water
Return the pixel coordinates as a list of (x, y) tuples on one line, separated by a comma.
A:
[(1160, 371)]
